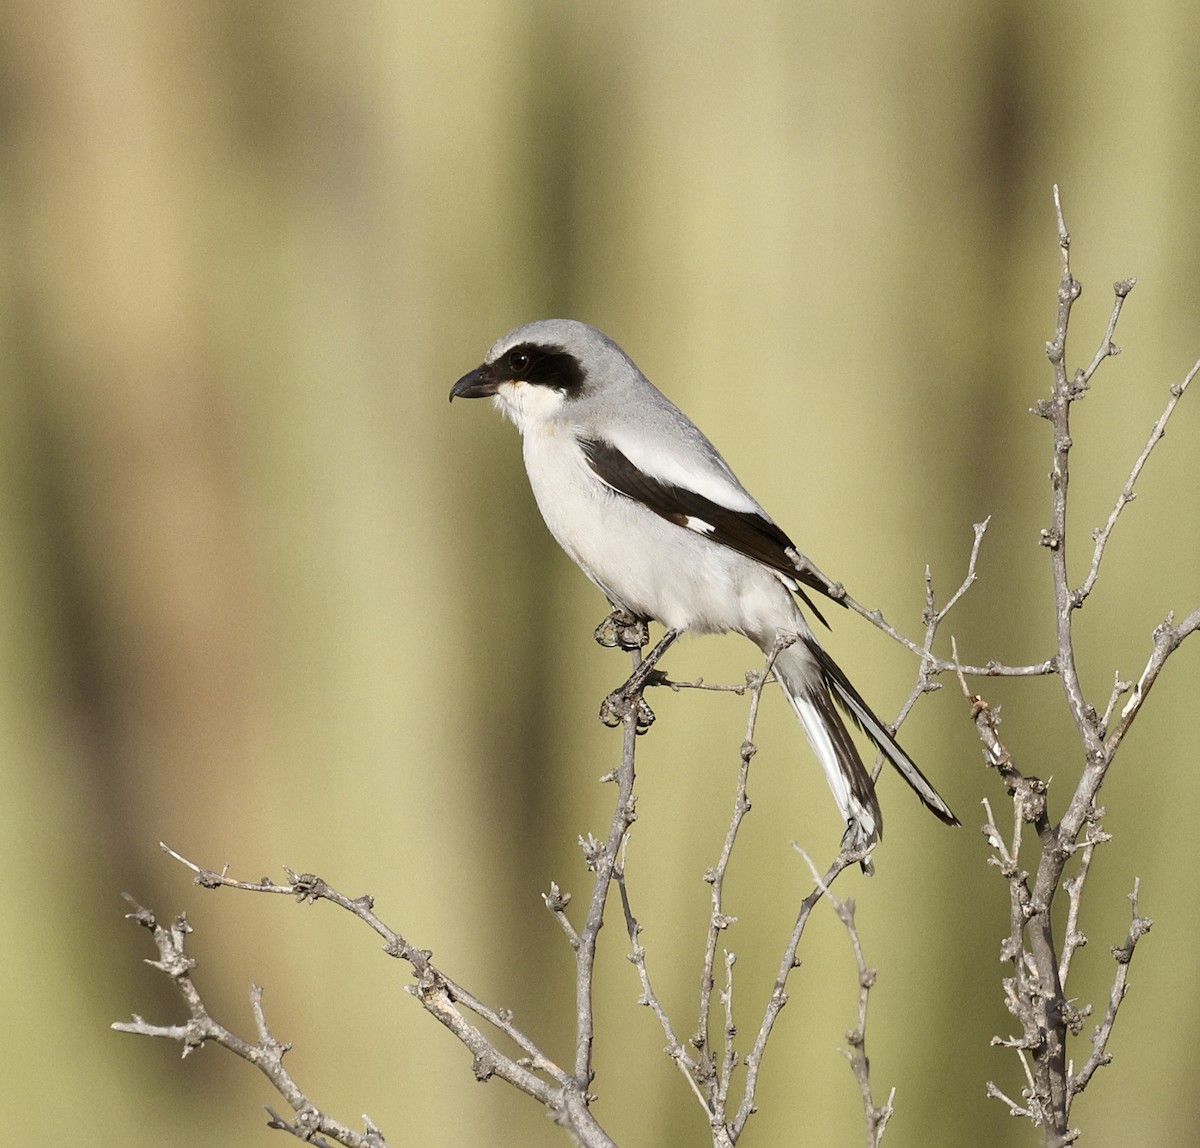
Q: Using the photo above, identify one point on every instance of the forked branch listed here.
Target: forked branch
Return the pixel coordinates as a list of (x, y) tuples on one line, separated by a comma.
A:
[(1042, 957)]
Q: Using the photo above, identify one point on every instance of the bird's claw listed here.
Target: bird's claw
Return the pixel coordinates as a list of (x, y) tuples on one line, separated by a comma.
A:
[(627, 701), (618, 706), (623, 631), (611, 710)]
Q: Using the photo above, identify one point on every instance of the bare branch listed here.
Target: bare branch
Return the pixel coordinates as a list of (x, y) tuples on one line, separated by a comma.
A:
[(931, 663), (1073, 939), (1065, 391), (444, 999), (266, 1054), (1036, 994), (701, 684), (1167, 639), (1139, 926), (556, 901), (1014, 1109), (937, 618), (856, 1054), (1107, 348), (435, 990), (718, 920), (691, 1070), (1127, 495), (730, 1060), (779, 995), (1119, 690), (933, 618), (602, 862)]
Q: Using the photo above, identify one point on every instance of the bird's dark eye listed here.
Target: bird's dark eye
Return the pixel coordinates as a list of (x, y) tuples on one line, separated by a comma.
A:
[(518, 362)]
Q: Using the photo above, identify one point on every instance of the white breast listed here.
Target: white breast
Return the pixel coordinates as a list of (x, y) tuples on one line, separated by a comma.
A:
[(643, 563)]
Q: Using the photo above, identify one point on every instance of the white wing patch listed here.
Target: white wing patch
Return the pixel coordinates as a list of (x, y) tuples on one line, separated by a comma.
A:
[(681, 468), (698, 525)]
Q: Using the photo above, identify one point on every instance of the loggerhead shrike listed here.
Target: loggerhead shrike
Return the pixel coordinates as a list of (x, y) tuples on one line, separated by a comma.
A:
[(653, 515)]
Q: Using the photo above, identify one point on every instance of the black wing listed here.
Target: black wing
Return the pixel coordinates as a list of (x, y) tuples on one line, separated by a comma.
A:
[(745, 531)]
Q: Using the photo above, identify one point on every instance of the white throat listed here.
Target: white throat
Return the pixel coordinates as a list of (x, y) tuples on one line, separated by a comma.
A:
[(528, 406)]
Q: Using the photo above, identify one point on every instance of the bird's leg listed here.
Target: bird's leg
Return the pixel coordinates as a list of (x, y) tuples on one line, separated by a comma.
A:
[(622, 630), (615, 707)]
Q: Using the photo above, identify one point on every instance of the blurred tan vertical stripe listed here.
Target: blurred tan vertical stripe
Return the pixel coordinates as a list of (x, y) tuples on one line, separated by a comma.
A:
[(118, 138)]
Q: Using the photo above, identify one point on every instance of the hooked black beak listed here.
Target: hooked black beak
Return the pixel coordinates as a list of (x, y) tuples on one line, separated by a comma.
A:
[(477, 384)]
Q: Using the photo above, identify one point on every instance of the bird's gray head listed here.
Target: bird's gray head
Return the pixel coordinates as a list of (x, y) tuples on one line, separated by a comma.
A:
[(537, 371)]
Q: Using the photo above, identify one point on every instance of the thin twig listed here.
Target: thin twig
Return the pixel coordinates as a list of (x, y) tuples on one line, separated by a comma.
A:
[(718, 920), (1063, 393), (701, 684), (935, 665), (1014, 1109), (556, 901), (309, 888), (876, 1117), (980, 529), (601, 861), (266, 1054), (1036, 993), (690, 1069), (444, 999), (933, 618), (729, 1061), (1119, 690), (1073, 939), (1167, 639), (1107, 348), (1139, 926), (779, 994), (1127, 495)]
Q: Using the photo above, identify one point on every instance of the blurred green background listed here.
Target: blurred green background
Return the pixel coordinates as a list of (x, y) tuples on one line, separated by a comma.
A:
[(265, 596)]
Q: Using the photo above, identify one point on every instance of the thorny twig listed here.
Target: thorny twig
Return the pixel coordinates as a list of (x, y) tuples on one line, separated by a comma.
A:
[(602, 861), (932, 665), (718, 920), (1036, 993), (779, 994), (710, 1078), (933, 617), (266, 1053), (876, 1117), (1139, 926), (1128, 494), (449, 1002)]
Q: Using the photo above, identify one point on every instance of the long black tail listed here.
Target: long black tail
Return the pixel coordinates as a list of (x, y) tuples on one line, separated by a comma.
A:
[(861, 714), (803, 683)]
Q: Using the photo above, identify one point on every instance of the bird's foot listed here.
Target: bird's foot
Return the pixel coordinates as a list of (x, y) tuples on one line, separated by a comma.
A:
[(619, 705), (627, 700), (623, 631)]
